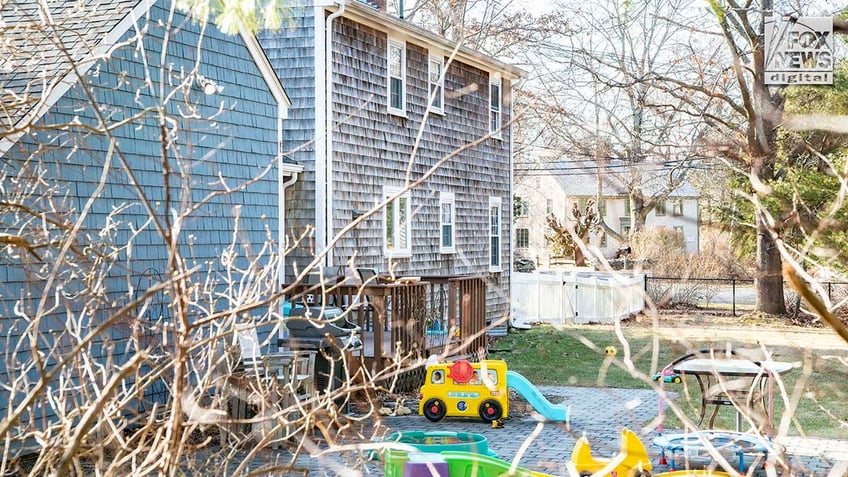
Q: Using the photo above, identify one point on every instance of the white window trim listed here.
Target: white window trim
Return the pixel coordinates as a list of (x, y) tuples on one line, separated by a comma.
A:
[(398, 252), (441, 84), (496, 132), (495, 202), (447, 198), (393, 42)]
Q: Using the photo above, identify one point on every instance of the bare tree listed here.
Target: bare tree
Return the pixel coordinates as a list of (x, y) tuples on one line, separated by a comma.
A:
[(605, 115), (569, 238)]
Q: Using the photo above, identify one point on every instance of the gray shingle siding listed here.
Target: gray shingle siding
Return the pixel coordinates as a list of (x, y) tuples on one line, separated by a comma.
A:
[(372, 149), (291, 52), (236, 146)]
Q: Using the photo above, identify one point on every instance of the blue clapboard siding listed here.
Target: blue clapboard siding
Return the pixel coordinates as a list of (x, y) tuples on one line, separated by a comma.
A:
[(236, 146)]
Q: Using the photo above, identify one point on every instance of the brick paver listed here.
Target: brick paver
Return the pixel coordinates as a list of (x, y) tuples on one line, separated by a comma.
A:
[(599, 413)]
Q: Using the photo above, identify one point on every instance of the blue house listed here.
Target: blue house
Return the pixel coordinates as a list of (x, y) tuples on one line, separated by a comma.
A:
[(138, 146)]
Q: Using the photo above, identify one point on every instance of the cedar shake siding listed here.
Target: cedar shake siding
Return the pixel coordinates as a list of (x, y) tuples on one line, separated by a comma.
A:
[(291, 52), (371, 149)]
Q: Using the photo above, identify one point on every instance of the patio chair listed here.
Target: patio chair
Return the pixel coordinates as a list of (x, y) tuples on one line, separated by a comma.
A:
[(264, 383)]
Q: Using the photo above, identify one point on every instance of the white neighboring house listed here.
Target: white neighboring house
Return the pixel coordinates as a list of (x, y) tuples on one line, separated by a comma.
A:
[(555, 188)]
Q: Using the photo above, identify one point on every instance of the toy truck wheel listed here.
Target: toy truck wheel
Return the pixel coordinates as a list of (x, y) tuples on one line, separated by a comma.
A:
[(585, 473), (677, 380), (435, 409), (641, 473), (490, 410)]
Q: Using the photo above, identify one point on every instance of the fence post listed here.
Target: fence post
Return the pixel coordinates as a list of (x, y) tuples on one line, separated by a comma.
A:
[(733, 282)]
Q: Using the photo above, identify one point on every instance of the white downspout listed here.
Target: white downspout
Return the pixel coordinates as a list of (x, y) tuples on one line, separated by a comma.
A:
[(328, 133)]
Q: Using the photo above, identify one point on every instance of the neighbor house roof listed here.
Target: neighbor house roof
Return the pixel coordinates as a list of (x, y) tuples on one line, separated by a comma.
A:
[(581, 178)]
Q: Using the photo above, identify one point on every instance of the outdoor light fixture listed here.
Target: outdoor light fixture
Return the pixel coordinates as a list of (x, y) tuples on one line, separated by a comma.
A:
[(208, 86)]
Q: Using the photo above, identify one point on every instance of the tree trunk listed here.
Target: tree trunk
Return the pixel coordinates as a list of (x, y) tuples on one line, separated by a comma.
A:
[(769, 282)]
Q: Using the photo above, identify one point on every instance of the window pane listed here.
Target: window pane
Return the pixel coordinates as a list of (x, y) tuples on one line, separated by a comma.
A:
[(390, 225), (495, 90), (403, 225), (435, 71), (496, 122), (395, 60), (677, 207), (436, 83), (447, 236), (522, 238), (496, 255), (396, 93)]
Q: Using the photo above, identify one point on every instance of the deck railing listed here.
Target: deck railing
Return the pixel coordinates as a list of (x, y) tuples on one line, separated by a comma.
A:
[(408, 320)]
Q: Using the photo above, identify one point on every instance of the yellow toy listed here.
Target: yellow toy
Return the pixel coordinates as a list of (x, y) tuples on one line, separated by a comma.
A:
[(631, 461), (465, 389)]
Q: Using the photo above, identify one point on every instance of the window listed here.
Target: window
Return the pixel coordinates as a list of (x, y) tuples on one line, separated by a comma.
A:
[(397, 223), (626, 205), (495, 83), (602, 207), (397, 77), (549, 206), (494, 234), (602, 240), (659, 210), (522, 207), (437, 84), (522, 238), (582, 201), (677, 208), (446, 220), (624, 225)]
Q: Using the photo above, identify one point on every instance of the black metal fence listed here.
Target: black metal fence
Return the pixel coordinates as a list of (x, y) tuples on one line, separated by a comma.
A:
[(736, 295)]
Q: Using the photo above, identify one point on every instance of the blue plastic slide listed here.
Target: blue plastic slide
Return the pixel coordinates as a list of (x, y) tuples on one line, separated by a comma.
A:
[(525, 388)]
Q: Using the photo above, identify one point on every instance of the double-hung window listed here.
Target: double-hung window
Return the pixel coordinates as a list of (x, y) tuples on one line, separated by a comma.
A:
[(494, 234), (677, 207), (397, 77), (437, 85), (522, 238), (447, 211), (659, 209), (397, 236), (495, 105)]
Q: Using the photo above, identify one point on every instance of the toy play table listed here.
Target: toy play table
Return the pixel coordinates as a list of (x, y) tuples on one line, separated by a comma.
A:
[(697, 444)]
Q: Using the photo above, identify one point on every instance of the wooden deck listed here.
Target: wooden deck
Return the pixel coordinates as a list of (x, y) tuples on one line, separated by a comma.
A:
[(413, 319)]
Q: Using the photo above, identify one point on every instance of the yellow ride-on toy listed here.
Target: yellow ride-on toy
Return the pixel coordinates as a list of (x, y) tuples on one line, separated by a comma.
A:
[(631, 461)]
